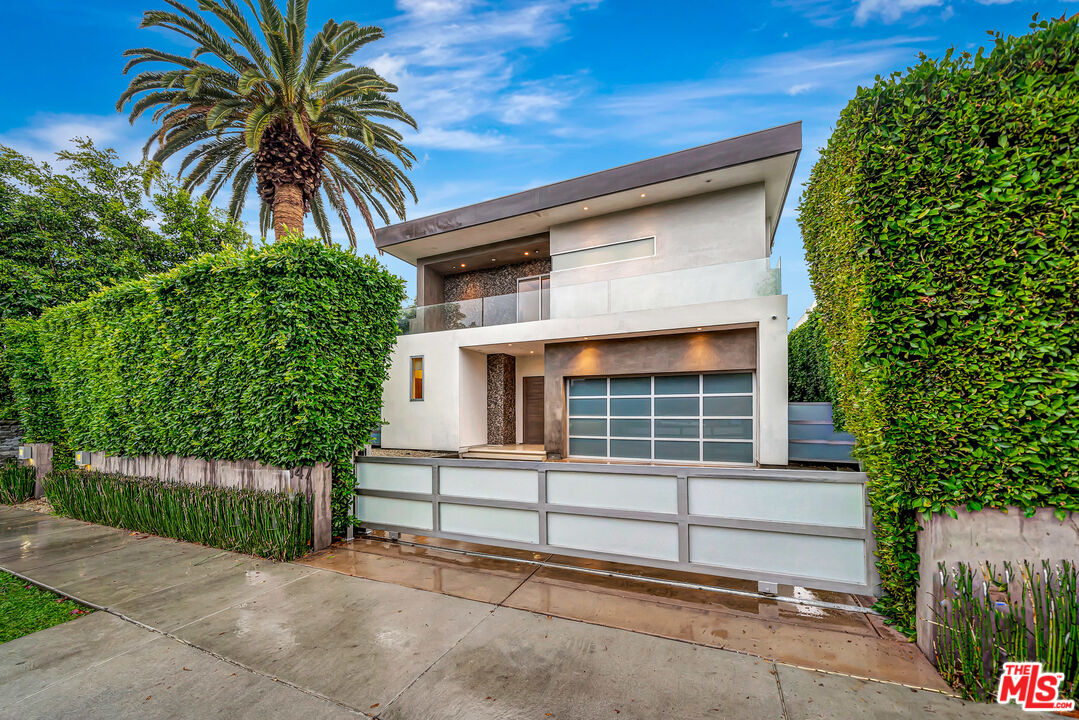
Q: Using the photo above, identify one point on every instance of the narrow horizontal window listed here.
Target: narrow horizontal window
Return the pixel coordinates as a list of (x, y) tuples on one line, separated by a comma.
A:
[(728, 383), (587, 447), (631, 449), (729, 406), (584, 387), (594, 427), (631, 386), (630, 250), (728, 452)]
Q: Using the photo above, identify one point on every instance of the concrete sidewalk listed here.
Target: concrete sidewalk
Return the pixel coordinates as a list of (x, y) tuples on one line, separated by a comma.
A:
[(190, 631)]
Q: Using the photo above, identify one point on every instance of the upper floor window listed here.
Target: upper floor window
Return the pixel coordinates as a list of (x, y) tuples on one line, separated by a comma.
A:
[(628, 250), (416, 379)]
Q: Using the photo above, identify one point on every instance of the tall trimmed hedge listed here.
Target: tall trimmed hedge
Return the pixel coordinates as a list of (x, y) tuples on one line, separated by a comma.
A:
[(276, 355), (942, 234), (809, 369)]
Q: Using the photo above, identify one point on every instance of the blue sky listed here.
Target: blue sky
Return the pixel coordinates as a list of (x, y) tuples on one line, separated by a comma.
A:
[(511, 95)]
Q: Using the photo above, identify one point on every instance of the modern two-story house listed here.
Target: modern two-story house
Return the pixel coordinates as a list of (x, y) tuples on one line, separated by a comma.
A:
[(628, 315), (601, 368)]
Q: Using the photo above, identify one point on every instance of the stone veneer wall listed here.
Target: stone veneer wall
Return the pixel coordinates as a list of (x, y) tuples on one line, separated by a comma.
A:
[(10, 438), (501, 399), (494, 281)]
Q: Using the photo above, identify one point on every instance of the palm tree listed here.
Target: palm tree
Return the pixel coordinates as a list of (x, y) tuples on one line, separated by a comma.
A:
[(298, 123)]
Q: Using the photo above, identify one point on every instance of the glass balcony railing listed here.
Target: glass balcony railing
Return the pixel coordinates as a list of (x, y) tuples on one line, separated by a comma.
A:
[(573, 295)]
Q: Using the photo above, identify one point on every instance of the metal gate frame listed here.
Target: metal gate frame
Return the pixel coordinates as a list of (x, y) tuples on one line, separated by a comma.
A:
[(682, 518)]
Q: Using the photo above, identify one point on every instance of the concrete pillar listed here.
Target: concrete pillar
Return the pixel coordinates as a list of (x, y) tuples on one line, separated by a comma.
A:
[(42, 463), (976, 538), (501, 399)]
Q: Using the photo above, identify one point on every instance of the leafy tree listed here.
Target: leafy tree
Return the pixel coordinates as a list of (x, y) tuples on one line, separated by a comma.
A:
[(65, 235), (257, 107)]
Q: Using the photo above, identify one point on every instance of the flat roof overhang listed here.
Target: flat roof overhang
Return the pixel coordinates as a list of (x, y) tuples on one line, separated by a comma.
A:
[(767, 156)]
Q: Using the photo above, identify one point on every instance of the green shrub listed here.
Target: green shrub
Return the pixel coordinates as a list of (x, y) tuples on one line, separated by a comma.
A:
[(35, 399), (258, 522), (276, 355), (16, 482), (65, 235), (940, 226), (809, 369), (988, 618)]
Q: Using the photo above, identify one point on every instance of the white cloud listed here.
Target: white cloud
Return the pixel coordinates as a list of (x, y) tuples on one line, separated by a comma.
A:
[(799, 88), (457, 65), (533, 105), (45, 134), (889, 10), (429, 8), (441, 138)]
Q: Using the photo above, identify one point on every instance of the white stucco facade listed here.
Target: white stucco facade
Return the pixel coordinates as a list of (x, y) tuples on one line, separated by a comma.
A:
[(685, 255), (453, 414)]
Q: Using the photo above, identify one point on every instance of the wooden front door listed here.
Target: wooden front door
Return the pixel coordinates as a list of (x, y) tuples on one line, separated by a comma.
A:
[(533, 410)]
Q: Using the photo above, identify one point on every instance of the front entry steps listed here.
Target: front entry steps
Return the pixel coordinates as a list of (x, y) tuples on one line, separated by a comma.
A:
[(532, 453)]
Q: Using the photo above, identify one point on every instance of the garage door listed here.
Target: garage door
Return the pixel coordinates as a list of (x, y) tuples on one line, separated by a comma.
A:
[(674, 418)]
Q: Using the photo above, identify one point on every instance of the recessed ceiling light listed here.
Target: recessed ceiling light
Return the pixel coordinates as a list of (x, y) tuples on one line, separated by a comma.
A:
[(509, 344), (698, 328), (493, 259), (531, 352), (463, 265), (526, 252), (642, 195), (585, 207)]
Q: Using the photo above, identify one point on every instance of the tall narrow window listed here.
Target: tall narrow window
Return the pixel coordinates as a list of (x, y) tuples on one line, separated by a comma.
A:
[(416, 391)]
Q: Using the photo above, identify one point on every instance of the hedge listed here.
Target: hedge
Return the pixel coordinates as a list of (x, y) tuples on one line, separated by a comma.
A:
[(276, 355), (269, 524), (808, 367), (34, 397), (940, 226)]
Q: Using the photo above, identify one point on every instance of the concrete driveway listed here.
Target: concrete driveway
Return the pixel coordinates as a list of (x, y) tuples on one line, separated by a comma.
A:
[(192, 632)]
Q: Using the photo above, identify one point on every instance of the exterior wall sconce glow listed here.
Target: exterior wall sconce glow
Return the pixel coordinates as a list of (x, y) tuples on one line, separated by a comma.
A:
[(82, 458), (26, 452)]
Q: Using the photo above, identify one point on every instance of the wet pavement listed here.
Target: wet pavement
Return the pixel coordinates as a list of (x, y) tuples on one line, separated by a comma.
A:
[(190, 631), (800, 634)]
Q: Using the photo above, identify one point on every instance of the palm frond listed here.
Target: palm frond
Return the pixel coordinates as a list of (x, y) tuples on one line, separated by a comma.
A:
[(335, 125)]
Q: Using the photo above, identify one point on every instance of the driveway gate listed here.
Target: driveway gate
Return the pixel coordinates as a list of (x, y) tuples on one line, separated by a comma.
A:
[(806, 528)]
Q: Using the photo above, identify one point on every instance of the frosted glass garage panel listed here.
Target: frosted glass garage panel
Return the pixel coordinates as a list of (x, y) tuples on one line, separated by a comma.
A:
[(648, 493), (638, 538), (489, 483), (812, 503), (489, 522), (810, 556), (398, 478), (393, 511)]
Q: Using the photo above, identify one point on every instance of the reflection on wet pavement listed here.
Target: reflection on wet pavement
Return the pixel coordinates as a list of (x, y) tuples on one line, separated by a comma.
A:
[(802, 634)]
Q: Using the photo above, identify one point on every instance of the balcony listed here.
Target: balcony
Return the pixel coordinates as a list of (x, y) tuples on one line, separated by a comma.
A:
[(566, 298)]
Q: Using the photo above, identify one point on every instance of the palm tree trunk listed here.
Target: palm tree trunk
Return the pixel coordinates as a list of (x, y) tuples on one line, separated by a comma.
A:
[(287, 210)]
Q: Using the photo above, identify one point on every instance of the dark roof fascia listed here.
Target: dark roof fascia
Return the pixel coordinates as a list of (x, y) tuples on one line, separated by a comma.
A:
[(752, 147)]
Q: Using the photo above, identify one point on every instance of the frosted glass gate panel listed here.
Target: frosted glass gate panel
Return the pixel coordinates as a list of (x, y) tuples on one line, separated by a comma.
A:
[(807, 528)]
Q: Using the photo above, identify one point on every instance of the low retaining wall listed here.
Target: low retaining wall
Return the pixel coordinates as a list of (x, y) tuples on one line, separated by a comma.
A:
[(313, 481), (990, 536)]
